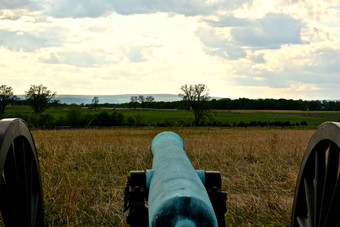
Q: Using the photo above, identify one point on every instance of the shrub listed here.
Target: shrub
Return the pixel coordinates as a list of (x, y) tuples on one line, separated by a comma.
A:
[(74, 117), (103, 119), (130, 121), (46, 120), (117, 119)]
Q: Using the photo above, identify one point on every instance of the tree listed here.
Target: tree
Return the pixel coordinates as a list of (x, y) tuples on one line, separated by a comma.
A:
[(6, 97), (95, 102), (133, 101), (39, 97), (149, 100), (141, 99), (196, 98)]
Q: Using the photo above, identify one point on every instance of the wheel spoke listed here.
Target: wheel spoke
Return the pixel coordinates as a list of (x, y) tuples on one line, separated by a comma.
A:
[(15, 164), (330, 181), (27, 180), (4, 200), (309, 193), (302, 221), (34, 207), (319, 181), (10, 185), (334, 207), (332, 215), (29, 187)]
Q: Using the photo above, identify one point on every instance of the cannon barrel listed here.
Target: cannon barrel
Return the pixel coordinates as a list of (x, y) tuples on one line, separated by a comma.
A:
[(177, 196), (173, 193)]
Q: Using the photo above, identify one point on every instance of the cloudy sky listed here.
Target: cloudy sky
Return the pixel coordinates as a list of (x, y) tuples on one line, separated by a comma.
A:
[(238, 48)]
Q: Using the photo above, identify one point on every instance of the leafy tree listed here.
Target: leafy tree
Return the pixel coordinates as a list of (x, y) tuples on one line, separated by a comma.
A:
[(197, 99), (6, 97), (39, 97), (141, 99), (95, 102), (134, 101), (149, 100)]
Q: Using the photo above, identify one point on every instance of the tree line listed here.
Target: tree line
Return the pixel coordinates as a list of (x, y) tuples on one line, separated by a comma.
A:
[(195, 98)]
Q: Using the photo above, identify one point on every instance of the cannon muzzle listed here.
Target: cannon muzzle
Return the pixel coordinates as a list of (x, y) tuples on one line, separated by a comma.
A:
[(177, 194)]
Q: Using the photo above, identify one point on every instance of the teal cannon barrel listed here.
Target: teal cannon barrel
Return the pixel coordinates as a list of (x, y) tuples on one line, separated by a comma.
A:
[(177, 196), (173, 193)]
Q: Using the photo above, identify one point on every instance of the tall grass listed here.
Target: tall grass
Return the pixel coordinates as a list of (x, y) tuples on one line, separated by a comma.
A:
[(84, 172)]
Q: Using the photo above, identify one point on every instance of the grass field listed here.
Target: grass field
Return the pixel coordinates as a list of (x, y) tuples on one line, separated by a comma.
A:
[(84, 172), (231, 117)]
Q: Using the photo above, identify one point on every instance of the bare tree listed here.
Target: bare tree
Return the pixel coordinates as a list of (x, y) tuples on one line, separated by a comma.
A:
[(39, 97), (196, 98), (6, 97), (95, 102)]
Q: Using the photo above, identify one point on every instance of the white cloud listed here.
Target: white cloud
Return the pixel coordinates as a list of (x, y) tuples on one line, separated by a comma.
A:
[(256, 48)]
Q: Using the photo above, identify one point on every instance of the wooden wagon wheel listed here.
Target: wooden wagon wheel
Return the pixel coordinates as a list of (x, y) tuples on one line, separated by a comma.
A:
[(317, 193), (21, 200)]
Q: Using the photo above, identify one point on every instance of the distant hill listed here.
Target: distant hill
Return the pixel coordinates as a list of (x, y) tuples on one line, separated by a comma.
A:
[(86, 99)]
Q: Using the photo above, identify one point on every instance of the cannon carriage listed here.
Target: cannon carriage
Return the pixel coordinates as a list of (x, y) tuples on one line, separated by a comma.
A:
[(172, 193)]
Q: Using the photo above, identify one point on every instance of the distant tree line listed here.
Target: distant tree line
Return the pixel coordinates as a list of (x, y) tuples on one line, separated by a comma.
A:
[(40, 98), (274, 104), (242, 104)]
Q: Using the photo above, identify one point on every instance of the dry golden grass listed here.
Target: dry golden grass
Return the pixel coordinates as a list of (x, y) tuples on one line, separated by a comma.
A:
[(84, 172)]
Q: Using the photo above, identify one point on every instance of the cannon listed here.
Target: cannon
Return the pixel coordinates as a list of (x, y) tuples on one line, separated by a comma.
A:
[(177, 194), (172, 193)]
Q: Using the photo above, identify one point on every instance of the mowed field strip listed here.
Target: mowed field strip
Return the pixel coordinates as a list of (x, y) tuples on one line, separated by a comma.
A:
[(84, 171)]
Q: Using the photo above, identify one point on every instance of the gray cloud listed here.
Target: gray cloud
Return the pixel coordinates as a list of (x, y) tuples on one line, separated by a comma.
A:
[(229, 21), (323, 72), (80, 59), (21, 41), (91, 8), (258, 59), (19, 4), (79, 8), (185, 7), (135, 55), (269, 32), (327, 61), (216, 45), (272, 31), (18, 40)]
